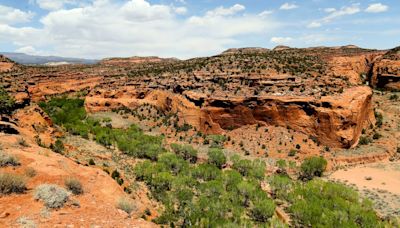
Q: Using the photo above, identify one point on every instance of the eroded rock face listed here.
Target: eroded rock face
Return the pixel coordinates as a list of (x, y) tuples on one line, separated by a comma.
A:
[(316, 91), (5, 64), (335, 121), (386, 70)]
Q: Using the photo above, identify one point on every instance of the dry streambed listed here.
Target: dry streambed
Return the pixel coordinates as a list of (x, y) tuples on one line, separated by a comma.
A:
[(379, 182)]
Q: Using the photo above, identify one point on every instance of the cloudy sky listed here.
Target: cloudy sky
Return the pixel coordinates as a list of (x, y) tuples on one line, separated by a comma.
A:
[(189, 28)]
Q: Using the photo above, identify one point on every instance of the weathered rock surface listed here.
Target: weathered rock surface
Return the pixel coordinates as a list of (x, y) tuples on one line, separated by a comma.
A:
[(334, 120), (5, 64), (386, 70)]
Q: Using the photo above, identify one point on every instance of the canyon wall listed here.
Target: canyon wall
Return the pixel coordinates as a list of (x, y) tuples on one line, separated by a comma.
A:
[(335, 121)]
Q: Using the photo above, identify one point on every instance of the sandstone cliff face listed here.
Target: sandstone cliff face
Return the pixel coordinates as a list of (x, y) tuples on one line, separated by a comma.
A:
[(335, 121), (351, 67), (386, 70)]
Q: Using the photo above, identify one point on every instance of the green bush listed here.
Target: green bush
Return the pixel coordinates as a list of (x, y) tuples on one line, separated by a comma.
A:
[(216, 141), (313, 166), (202, 194), (323, 204), (186, 152), (364, 140), (7, 102), (74, 185), (253, 169), (379, 119), (8, 160), (58, 146), (216, 157), (52, 195), (263, 210), (11, 183)]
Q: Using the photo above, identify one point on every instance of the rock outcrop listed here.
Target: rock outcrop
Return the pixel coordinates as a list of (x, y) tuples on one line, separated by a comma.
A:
[(5, 64), (335, 121), (386, 70)]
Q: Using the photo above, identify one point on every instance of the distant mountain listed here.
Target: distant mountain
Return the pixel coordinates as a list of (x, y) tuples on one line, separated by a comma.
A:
[(39, 60)]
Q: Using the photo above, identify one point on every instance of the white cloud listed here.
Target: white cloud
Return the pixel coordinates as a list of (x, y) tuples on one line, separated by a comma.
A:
[(335, 14), (265, 13), (314, 24), (346, 10), (107, 28), (288, 6), (181, 10), (27, 50), (9, 15), (377, 8), (281, 40), (54, 4), (222, 11)]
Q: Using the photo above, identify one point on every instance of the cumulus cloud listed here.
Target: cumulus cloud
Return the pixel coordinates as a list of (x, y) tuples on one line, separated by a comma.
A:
[(335, 14), (181, 10), (377, 8), (281, 40), (54, 4), (9, 15), (288, 6), (107, 28)]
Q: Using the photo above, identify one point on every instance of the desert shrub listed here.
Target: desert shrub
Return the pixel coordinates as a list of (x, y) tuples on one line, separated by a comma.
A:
[(312, 166), (58, 146), (11, 183), (263, 210), (186, 152), (364, 140), (91, 162), (394, 97), (292, 153), (216, 141), (25, 222), (30, 172), (74, 185), (197, 195), (253, 169), (216, 157), (8, 160), (7, 102), (379, 119), (53, 196), (170, 162), (117, 177), (126, 205), (338, 205), (281, 186), (376, 136)]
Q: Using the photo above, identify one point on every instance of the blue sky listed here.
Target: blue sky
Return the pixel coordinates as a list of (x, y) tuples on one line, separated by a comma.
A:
[(190, 28)]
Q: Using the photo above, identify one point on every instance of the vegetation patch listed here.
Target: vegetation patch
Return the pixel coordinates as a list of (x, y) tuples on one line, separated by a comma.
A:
[(8, 160), (71, 114), (53, 196), (74, 185), (126, 205), (11, 183)]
